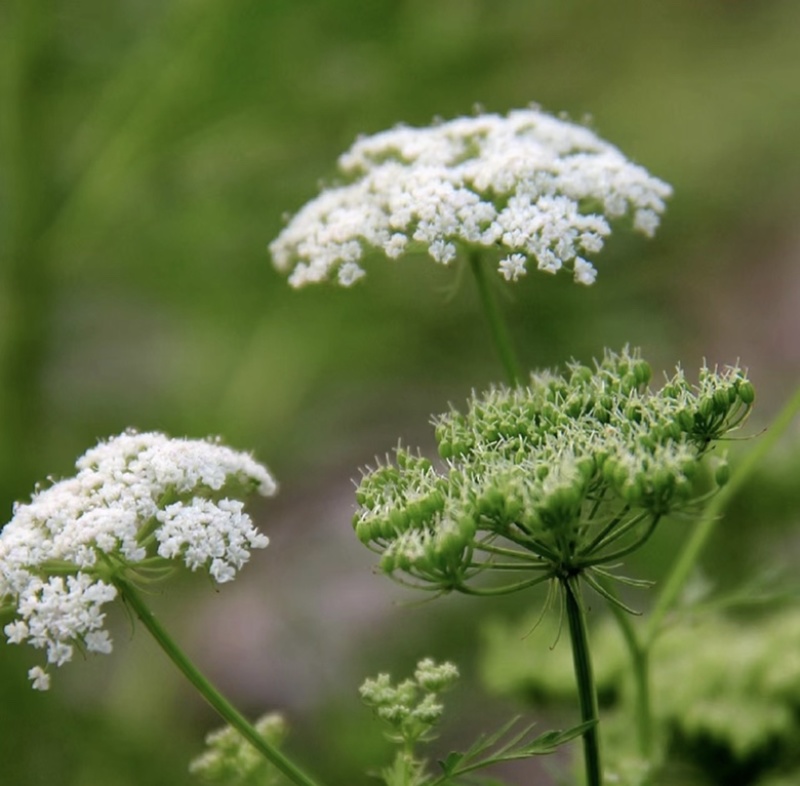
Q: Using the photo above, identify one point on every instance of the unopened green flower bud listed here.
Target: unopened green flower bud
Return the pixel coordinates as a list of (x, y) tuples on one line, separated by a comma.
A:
[(580, 375), (663, 481), (629, 382), (642, 372), (395, 523), (586, 466), (621, 475), (633, 412), (561, 505), (491, 502), (722, 474), (363, 529), (610, 469), (685, 420), (722, 401), (432, 504), (445, 448), (449, 541), (706, 408), (387, 563), (575, 408), (632, 491), (747, 393)]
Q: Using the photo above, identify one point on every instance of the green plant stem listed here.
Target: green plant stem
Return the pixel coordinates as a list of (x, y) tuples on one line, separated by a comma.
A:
[(497, 326), (228, 712), (640, 661), (690, 554), (587, 692)]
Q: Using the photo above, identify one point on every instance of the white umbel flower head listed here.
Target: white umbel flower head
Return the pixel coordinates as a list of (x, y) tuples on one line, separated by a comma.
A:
[(137, 501), (535, 189)]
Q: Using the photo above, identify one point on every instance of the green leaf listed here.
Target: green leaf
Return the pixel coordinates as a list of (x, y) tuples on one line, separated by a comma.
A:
[(451, 762), (490, 749), (549, 741)]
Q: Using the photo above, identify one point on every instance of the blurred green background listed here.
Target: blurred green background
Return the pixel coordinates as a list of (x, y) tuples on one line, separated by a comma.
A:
[(148, 153)]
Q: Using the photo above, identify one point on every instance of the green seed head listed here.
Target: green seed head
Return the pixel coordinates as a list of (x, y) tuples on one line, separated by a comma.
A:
[(545, 474)]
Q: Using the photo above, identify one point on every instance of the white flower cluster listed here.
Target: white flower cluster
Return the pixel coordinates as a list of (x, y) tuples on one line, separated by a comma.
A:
[(138, 499), (530, 185)]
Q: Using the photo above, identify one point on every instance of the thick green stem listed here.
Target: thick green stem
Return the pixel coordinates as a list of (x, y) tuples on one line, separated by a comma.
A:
[(228, 712), (497, 326), (685, 564), (587, 693)]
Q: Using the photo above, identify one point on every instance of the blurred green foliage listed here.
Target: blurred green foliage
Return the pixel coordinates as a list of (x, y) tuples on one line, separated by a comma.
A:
[(147, 153), (725, 691)]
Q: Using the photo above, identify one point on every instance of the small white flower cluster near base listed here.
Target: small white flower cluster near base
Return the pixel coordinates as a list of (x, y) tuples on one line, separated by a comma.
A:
[(137, 501), (528, 185)]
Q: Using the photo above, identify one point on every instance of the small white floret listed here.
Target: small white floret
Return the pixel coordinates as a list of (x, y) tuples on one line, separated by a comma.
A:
[(585, 272), (98, 641), (646, 222), (39, 677), (349, 273), (512, 267)]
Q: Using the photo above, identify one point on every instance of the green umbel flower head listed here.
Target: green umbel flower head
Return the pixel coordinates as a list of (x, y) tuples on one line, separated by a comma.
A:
[(412, 707), (555, 479), (230, 760)]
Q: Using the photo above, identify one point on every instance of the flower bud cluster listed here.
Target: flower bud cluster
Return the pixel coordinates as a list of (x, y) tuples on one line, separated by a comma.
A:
[(231, 760), (411, 708), (566, 473), (137, 501), (532, 186)]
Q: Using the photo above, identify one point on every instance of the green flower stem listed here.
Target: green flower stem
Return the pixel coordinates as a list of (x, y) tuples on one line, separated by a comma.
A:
[(587, 693), (615, 555), (497, 326), (507, 589), (640, 661), (228, 712), (688, 558)]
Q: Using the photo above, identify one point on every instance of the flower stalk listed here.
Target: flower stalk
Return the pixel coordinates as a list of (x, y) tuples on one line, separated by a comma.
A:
[(220, 704), (497, 326), (639, 654), (584, 676)]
